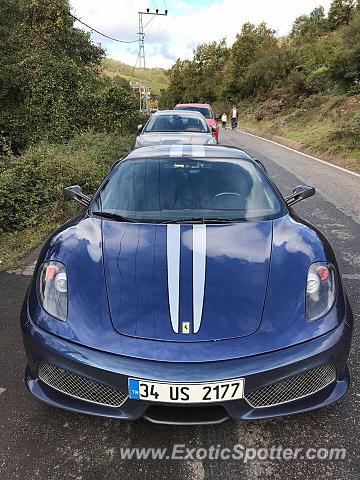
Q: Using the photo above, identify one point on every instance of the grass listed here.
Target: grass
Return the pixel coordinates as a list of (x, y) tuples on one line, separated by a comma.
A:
[(31, 188), (154, 78), (14, 245), (328, 126)]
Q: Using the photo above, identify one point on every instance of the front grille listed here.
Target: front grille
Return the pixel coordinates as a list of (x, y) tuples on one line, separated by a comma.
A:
[(292, 388), (80, 387)]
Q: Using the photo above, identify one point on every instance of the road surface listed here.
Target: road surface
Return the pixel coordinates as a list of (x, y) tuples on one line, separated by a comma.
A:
[(40, 442)]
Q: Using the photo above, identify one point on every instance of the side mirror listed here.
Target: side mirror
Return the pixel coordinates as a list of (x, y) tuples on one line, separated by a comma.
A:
[(74, 192), (300, 193), (140, 127)]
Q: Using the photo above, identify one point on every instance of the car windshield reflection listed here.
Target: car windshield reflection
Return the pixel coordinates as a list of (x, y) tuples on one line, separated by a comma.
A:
[(188, 190)]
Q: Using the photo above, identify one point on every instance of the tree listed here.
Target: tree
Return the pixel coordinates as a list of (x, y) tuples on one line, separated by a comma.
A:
[(49, 70), (252, 43), (340, 13), (346, 65), (308, 27), (313, 59)]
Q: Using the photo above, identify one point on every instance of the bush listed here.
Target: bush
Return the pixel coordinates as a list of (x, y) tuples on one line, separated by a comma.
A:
[(114, 109), (31, 185), (349, 133), (318, 80)]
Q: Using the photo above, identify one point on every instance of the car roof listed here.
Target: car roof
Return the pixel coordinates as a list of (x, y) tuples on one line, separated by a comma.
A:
[(183, 113), (193, 105), (178, 151)]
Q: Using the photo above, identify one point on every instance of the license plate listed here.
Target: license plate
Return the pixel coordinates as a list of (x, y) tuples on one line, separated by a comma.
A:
[(186, 392)]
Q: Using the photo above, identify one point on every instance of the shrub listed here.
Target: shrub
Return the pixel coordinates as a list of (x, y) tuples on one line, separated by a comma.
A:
[(318, 80), (349, 133), (32, 185)]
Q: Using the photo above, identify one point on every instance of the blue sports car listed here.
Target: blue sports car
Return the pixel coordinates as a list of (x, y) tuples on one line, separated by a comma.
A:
[(187, 291)]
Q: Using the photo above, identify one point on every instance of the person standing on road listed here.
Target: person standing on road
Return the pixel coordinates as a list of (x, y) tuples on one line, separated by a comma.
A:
[(234, 117), (224, 120)]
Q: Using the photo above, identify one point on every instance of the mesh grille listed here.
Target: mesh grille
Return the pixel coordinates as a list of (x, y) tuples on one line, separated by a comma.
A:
[(80, 387), (293, 388)]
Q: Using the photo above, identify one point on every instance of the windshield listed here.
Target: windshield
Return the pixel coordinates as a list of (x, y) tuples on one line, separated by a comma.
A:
[(176, 123), (160, 190), (203, 110)]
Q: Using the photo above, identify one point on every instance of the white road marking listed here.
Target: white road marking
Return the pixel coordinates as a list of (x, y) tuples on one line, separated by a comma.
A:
[(199, 267), (300, 153), (173, 272), (351, 276), (2, 390)]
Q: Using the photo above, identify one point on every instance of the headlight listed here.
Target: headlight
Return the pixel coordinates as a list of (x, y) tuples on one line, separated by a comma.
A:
[(53, 289), (320, 290)]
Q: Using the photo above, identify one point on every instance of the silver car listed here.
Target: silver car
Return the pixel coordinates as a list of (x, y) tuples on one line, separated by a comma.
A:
[(175, 127)]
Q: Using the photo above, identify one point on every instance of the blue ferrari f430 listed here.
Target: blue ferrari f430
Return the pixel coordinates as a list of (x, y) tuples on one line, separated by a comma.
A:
[(187, 291)]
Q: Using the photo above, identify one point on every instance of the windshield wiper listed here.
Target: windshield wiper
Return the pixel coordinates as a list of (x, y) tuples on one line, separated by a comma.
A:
[(185, 220), (114, 216), (201, 220), (120, 218)]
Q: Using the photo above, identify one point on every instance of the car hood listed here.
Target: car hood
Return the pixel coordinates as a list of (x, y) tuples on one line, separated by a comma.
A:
[(148, 139), (186, 282), (125, 266)]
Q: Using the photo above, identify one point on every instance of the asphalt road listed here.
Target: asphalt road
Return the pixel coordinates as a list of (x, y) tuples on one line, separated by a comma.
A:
[(40, 442)]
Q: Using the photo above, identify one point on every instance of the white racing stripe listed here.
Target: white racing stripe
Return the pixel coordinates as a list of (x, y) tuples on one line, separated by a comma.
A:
[(176, 151), (199, 267), (173, 272), (198, 151)]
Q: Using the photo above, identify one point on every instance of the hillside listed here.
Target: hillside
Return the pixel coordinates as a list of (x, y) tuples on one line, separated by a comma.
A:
[(326, 125), (154, 78)]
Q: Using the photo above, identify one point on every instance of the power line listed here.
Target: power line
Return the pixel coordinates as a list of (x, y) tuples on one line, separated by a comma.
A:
[(149, 32), (155, 33), (100, 33), (133, 70)]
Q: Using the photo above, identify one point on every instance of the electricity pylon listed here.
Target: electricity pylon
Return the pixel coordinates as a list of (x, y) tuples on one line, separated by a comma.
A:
[(144, 91)]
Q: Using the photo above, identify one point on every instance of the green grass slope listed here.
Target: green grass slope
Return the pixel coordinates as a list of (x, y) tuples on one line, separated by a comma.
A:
[(154, 78), (328, 125)]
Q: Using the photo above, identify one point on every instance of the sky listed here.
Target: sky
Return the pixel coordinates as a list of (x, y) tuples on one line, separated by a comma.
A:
[(189, 22)]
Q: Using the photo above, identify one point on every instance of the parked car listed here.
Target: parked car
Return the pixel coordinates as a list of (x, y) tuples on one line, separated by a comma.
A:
[(174, 127), (204, 109), (187, 280)]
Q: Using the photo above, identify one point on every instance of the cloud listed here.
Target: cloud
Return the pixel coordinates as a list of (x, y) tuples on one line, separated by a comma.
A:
[(188, 23), (165, 52)]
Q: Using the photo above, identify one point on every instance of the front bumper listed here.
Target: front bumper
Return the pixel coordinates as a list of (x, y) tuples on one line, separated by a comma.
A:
[(114, 371)]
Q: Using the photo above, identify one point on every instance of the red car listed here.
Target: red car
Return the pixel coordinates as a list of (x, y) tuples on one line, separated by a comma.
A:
[(206, 110)]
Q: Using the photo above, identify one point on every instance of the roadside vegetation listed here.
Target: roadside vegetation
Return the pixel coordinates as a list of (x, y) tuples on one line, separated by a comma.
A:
[(31, 187), (154, 78), (61, 120), (305, 86)]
